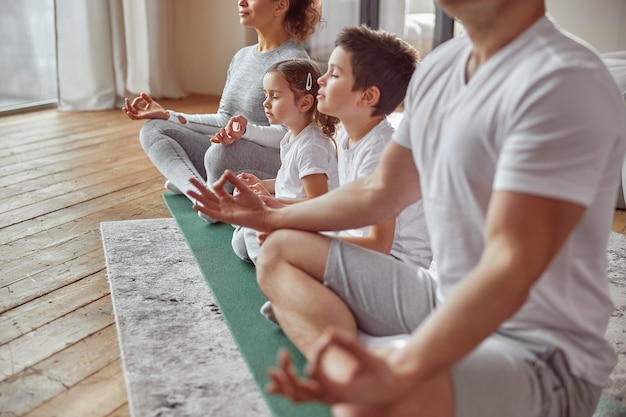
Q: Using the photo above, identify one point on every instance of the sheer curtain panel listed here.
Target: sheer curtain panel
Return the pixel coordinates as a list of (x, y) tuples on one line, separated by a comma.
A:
[(110, 49)]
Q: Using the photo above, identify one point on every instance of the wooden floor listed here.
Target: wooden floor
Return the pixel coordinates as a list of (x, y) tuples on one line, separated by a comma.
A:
[(61, 174)]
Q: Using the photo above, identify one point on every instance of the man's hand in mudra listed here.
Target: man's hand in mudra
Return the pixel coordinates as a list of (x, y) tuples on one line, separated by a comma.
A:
[(244, 208)]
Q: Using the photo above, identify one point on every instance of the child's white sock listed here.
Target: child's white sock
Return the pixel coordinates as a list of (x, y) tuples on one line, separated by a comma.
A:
[(268, 312), (170, 186)]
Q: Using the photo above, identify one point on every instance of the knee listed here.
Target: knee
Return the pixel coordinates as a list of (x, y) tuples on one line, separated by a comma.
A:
[(216, 161), (216, 157), (271, 257), (150, 131)]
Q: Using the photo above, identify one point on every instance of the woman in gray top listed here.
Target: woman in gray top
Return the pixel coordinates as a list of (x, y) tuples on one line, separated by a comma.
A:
[(179, 144)]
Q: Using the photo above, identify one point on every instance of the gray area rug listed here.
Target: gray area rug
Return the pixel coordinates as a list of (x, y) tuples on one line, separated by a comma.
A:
[(616, 332), (178, 355)]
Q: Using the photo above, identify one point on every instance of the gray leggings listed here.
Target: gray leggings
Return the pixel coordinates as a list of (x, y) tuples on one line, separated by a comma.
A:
[(180, 153)]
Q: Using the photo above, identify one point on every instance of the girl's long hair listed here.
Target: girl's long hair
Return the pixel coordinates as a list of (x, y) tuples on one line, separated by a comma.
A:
[(303, 18)]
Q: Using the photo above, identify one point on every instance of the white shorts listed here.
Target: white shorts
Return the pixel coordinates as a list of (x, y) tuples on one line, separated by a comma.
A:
[(503, 376)]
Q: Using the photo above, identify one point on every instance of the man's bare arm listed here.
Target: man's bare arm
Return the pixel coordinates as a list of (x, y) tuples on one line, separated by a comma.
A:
[(523, 235), (371, 200)]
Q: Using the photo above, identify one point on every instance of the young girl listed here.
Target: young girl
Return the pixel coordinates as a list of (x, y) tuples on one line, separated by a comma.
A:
[(307, 151), (179, 145)]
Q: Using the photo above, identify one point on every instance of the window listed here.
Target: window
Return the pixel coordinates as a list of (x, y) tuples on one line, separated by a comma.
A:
[(416, 21), (27, 48)]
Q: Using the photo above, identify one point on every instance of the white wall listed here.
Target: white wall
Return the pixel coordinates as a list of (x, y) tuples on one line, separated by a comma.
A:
[(208, 34), (602, 23)]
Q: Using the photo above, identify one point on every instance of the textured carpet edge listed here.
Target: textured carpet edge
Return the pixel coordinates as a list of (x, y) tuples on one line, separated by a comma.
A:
[(118, 329), (161, 291)]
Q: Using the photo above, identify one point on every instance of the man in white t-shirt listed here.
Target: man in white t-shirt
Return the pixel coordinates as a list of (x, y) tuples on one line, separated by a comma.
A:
[(514, 137)]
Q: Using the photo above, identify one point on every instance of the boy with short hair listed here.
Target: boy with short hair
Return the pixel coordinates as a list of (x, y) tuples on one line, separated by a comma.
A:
[(368, 73)]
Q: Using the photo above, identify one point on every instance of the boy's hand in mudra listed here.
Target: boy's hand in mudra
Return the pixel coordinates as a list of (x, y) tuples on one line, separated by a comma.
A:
[(245, 208)]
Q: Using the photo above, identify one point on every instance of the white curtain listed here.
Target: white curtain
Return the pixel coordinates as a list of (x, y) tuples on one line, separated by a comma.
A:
[(111, 49), (337, 14)]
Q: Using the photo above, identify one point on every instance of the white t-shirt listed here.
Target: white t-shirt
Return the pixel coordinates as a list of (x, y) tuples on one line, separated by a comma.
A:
[(543, 117), (411, 242), (308, 153)]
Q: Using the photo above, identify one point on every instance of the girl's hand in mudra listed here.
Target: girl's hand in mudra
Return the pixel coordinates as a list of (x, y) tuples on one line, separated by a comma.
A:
[(233, 131), (249, 179)]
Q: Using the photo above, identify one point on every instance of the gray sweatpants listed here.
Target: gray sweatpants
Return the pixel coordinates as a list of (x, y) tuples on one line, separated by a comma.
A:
[(180, 153), (505, 375)]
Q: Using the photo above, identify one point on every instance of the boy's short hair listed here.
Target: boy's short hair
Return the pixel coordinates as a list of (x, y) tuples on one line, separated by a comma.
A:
[(379, 59)]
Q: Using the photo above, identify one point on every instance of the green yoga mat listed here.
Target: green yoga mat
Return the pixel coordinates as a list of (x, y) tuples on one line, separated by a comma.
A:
[(233, 284)]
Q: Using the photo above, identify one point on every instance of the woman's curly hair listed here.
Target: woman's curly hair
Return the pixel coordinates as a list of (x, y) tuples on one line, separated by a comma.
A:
[(302, 18)]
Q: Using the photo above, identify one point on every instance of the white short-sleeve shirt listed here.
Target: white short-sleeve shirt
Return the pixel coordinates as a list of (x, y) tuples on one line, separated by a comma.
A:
[(411, 243), (310, 152), (543, 117)]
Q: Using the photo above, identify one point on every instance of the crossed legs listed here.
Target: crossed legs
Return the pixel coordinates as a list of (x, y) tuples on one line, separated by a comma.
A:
[(505, 375), (293, 280)]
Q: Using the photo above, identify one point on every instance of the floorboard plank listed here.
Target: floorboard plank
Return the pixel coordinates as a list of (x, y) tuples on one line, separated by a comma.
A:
[(98, 395), (67, 159), (61, 179), (36, 265), (91, 187), (31, 316), (123, 411), (58, 142), (60, 243), (76, 161), (26, 391), (49, 378), (17, 231), (25, 351), (35, 286), (619, 221)]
